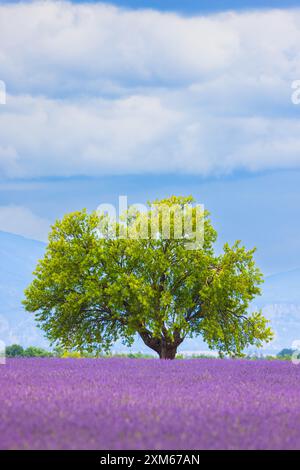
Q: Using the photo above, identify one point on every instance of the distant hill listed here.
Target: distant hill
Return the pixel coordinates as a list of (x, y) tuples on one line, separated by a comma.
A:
[(280, 300), (280, 303), (18, 259)]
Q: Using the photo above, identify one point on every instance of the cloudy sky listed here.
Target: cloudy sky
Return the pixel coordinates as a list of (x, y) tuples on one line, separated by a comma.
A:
[(104, 99)]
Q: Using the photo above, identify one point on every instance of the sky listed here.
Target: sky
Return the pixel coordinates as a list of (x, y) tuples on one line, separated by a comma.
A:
[(108, 99), (189, 7)]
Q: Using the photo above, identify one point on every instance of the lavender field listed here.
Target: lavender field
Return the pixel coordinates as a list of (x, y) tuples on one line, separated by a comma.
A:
[(145, 403)]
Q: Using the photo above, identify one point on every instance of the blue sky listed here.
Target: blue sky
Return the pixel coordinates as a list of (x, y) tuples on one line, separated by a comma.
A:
[(104, 102), (261, 210), (194, 6)]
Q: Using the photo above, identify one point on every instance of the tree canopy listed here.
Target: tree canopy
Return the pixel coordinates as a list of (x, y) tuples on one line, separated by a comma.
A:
[(95, 286)]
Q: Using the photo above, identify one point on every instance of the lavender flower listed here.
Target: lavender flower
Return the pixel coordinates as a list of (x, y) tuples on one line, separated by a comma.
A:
[(149, 404)]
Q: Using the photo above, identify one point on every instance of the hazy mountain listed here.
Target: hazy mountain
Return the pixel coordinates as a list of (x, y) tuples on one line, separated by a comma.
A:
[(18, 257), (281, 305), (280, 300)]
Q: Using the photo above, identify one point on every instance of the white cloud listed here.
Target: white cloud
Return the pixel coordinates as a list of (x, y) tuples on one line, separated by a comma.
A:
[(133, 134), (105, 90), (22, 221), (99, 42)]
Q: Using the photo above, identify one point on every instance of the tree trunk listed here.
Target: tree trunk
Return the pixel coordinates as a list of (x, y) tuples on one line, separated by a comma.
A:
[(168, 351), (165, 349)]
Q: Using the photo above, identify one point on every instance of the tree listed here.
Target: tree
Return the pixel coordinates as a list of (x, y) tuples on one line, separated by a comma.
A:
[(33, 351), (15, 350), (95, 285), (286, 353)]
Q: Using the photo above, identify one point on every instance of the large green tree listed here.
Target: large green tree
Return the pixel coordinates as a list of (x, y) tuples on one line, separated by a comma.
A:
[(95, 285)]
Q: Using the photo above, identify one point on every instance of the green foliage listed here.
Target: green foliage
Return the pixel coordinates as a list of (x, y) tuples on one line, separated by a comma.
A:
[(195, 356), (71, 354), (15, 350), (93, 288), (137, 355), (33, 351), (285, 353)]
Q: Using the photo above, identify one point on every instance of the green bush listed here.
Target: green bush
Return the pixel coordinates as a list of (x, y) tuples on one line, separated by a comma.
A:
[(15, 350), (285, 353), (33, 351)]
